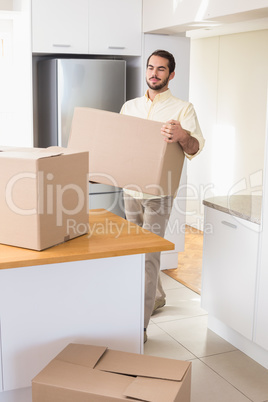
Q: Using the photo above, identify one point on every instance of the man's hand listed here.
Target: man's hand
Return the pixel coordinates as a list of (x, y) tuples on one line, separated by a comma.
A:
[(173, 132)]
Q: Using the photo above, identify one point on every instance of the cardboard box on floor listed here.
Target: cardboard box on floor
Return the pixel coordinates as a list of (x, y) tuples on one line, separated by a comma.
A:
[(85, 373), (43, 196), (126, 151)]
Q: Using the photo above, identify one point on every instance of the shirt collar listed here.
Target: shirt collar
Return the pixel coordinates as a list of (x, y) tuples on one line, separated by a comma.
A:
[(159, 97)]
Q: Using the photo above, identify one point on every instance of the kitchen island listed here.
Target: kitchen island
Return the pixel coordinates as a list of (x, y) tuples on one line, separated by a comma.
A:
[(89, 290), (231, 291)]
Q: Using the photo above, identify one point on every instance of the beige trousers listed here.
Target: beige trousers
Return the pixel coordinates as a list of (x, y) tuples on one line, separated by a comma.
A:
[(151, 214)]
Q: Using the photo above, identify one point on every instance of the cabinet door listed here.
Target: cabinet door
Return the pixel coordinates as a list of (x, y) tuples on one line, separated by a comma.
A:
[(45, 307), (261, 322), (60, 26), (261, 330), (115, 27), (229, 270)]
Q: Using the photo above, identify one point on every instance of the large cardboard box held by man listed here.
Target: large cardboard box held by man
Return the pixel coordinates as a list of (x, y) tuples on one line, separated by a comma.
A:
[(85, 373), (43, 196), (126, 151)]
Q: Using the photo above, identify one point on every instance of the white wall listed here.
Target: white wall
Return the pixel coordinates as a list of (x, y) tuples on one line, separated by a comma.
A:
[(228, 87), (15, 74)]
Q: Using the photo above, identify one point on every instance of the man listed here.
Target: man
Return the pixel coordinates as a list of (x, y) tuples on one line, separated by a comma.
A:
[(181, 126)]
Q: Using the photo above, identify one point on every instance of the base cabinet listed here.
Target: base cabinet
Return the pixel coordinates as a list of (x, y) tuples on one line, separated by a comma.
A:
[(43, 308), (261, 320), (261, 330), (230, 254)]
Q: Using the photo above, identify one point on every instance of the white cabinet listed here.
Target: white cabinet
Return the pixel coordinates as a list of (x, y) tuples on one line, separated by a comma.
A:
[(60, 26), (238, 10), (261, 330), (115, 27), (230, 254), (87, 26), (45, 307), (261, 323)]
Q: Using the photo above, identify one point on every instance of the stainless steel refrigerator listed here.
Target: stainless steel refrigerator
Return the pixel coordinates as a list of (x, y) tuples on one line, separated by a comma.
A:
[(64, 84)]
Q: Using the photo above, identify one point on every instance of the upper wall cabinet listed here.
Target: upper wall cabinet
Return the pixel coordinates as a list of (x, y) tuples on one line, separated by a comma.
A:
[(60, 26), (115, 27), (87, 26)]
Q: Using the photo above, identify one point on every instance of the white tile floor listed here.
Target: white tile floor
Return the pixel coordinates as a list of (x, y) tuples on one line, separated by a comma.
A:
[(220, 372)]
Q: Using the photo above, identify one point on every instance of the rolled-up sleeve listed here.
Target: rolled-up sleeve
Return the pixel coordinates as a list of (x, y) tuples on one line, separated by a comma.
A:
[(189, 122)]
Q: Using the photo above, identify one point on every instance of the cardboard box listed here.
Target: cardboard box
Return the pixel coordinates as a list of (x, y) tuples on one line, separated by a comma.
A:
[(43, 196), (85, 373), (126, 151)]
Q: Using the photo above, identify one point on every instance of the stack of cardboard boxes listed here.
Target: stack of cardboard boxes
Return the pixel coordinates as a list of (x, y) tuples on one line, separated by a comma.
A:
[(41, 189)]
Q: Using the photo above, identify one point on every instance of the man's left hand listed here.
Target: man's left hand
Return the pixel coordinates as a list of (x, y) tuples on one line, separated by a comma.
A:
[(172, 131)]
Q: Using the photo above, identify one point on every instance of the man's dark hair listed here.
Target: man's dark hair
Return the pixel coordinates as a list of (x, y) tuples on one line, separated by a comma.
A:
[(166, 55)]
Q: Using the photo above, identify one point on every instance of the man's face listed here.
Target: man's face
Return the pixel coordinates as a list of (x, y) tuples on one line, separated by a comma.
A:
[(157, 74)]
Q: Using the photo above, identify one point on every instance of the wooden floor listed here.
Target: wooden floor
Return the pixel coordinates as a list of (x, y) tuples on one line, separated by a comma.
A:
[(190, 261)]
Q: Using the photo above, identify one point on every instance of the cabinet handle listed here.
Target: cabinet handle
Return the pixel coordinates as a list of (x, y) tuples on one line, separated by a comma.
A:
[(60, 45), (116, 47), (231, 225)]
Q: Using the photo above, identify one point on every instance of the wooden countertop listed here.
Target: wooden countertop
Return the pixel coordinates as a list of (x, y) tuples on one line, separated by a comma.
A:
[(109, 236)]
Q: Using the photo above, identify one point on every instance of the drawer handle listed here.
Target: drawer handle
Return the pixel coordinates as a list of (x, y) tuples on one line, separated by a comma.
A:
[(231, 225), (116, 47), (60, 45)]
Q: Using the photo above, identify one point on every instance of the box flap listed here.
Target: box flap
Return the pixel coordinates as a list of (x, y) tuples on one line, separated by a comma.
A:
[(31, 153), (5, 149), (152, 390), (12, 148), (83, 355), (70, 376), (142, 365), (61, 150)]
